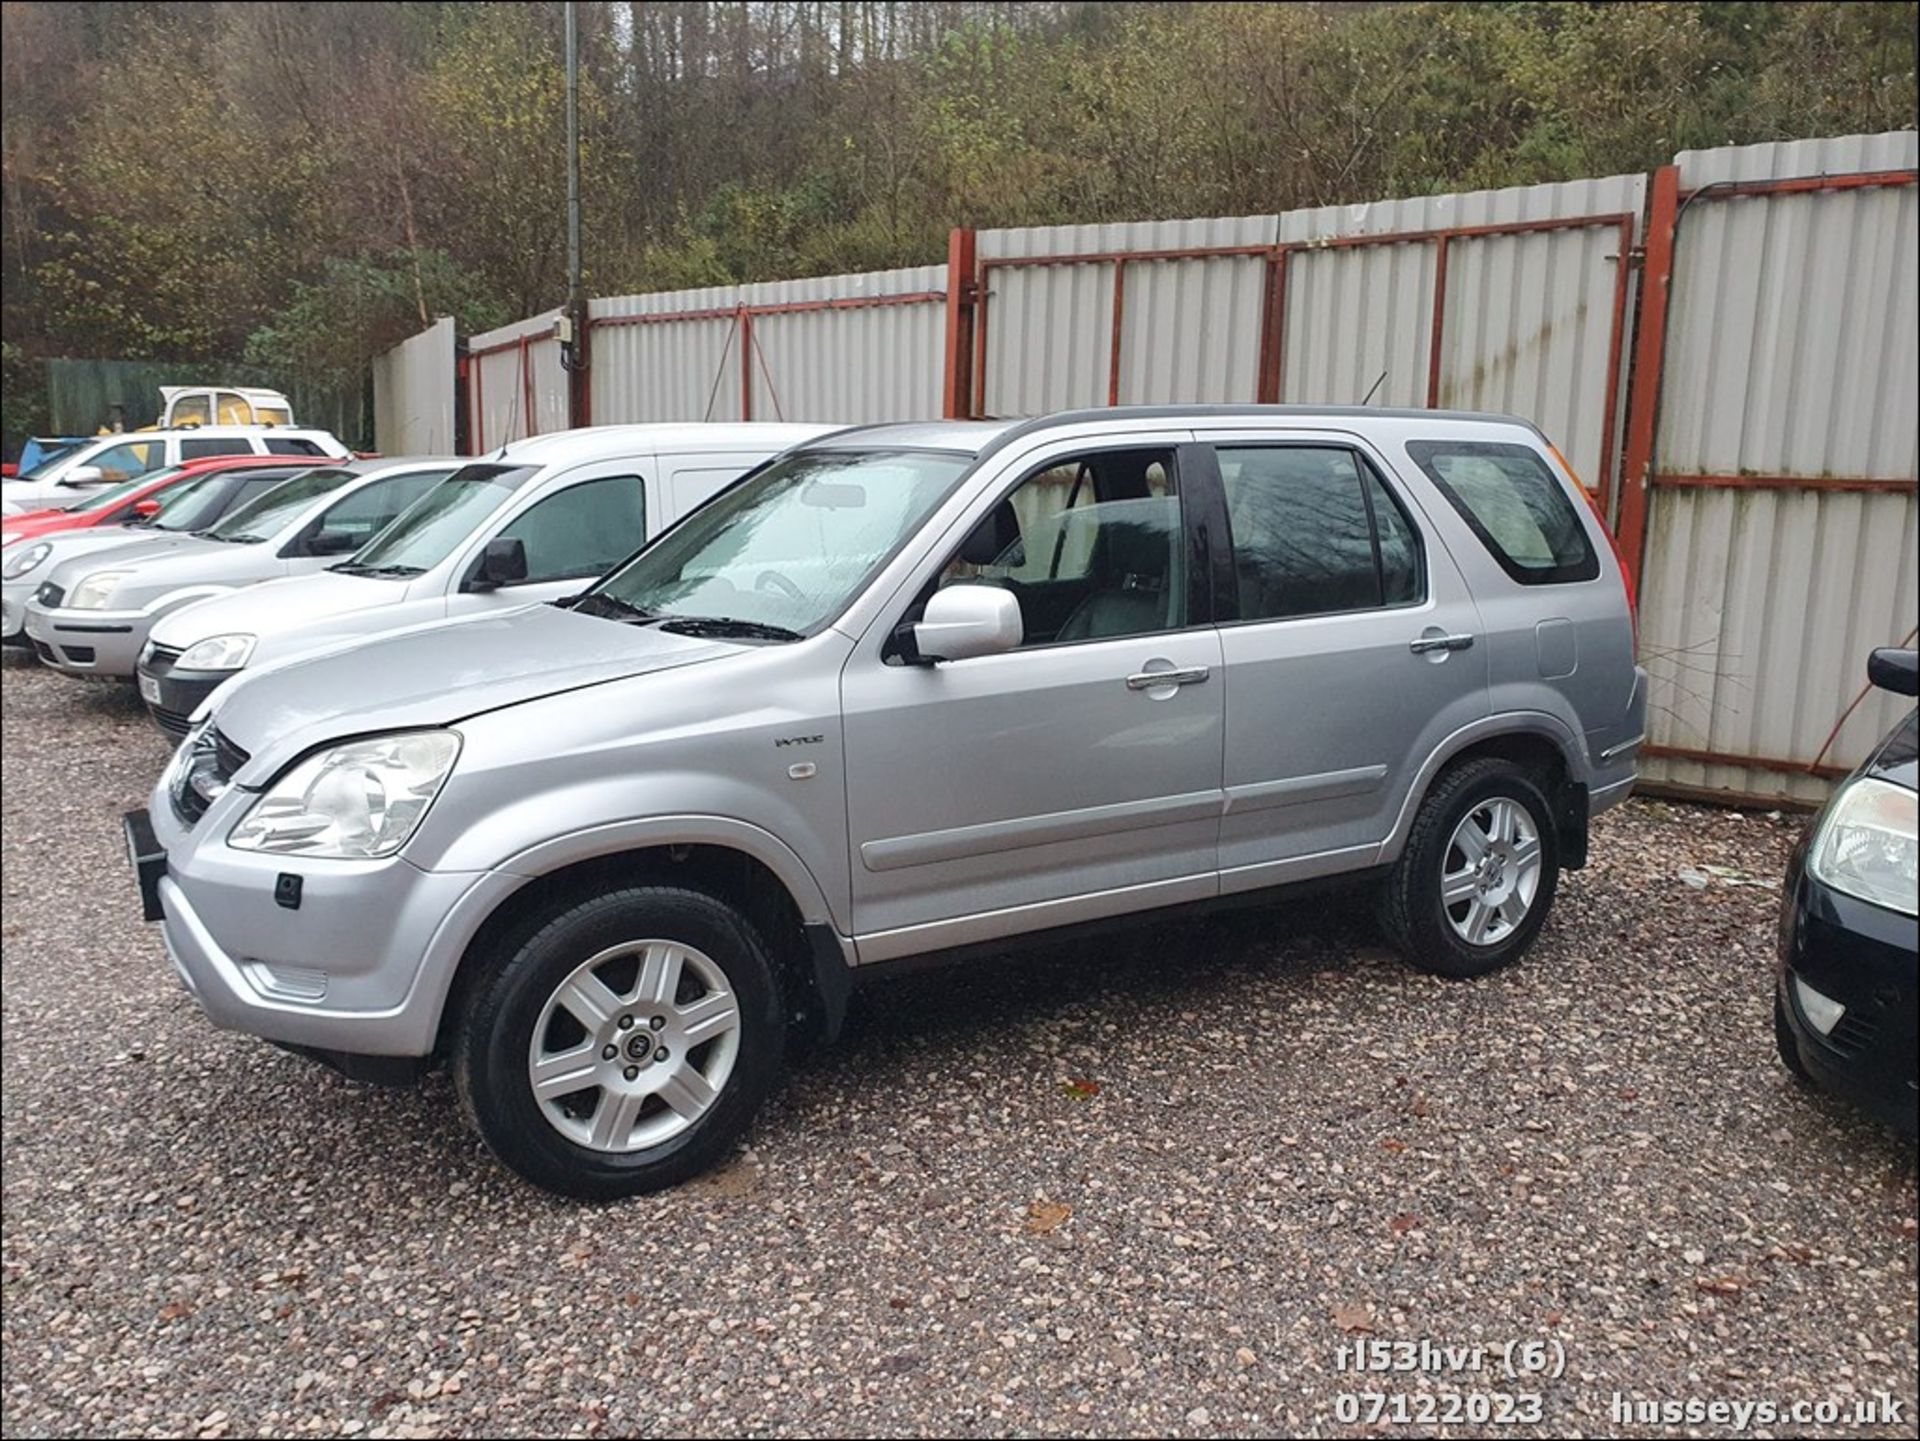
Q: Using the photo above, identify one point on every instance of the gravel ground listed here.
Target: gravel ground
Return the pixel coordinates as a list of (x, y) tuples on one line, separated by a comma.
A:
[(1141, 1187)]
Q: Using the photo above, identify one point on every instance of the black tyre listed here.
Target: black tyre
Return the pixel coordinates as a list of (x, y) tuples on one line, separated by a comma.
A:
[(625, 1045), (1784, 1043), (1478, 875)]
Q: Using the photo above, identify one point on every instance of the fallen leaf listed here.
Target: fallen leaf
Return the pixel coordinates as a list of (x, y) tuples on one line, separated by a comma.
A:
[(1420, 1106), (1404, 1222), (175, 1311), (1080, 1089), (1044, 1216), (1396, 1147), (1719, 1285), (1353, 1316)]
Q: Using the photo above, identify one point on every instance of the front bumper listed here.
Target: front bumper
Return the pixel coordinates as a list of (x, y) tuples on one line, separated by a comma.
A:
[(1865, 957), (173, 695), (361, 965), (88, 642)]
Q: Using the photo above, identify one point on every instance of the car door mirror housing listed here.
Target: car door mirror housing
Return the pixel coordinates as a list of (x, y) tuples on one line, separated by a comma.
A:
[(963, 621), (503, 562), (1895, 669), (83, 475)]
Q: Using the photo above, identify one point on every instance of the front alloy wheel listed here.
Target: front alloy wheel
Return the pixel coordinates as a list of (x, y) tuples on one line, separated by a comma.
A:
[(635, 1046), (624, 1045)]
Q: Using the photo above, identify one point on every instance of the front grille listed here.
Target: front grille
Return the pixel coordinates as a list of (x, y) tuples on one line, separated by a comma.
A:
[(50, 595), (173, 722), (206, 770), (160, 659)]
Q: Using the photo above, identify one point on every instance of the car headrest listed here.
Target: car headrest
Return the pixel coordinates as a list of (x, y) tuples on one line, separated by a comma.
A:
[(992, 536), (1139, 539)]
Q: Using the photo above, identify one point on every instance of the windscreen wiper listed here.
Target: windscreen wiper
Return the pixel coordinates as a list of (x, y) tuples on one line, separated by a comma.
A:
[(606, 606), (348, 567), (727, 626)]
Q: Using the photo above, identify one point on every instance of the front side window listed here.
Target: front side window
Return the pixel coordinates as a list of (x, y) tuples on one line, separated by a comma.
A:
[(372, 508), (290, 445), (1092, 548), (263, 515), (129, 461), (584, 530), (434, 526), (192, 504), (1514, 504), (1314, 533), (200, 449), (786, 549)]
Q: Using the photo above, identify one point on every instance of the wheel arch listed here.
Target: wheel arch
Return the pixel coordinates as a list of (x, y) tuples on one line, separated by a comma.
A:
[(748, 868), (1535, 739)]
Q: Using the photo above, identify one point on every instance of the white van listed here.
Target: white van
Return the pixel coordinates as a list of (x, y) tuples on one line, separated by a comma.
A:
[(533, 522), (115, 459)]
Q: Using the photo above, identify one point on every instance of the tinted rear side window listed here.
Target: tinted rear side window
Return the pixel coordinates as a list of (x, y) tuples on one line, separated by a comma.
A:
[(292, 446), (1514, 504), (201, 449)]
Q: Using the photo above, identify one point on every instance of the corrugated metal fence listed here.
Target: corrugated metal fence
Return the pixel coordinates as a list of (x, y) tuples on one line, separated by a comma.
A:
[(1778, 510), (1759, 451), (413, 388), (849, 348)]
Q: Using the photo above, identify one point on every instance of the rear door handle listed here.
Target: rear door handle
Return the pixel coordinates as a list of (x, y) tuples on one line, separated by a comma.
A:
[(1153, 679), (1422, 645)]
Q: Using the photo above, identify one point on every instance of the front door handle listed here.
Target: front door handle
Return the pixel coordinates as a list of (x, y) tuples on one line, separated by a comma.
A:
[(1154, 679), (1422, 645)]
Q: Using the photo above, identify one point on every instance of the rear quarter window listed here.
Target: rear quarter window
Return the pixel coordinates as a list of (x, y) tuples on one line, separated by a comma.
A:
[(1515, 505)]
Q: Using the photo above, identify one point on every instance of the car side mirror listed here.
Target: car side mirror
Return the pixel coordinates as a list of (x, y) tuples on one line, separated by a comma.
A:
[(83, 475), (333, 542), (146, 509), (963, 621), (503, 562), (1892, 668)]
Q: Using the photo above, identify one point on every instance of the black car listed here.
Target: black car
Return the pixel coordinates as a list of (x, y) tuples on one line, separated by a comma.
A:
[(1844, 1008)]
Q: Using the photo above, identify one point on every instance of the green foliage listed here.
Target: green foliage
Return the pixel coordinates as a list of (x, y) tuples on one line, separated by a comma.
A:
[(330, 330), (291, 180)]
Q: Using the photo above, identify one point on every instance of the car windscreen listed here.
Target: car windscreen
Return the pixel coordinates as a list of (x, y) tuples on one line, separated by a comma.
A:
[(785, 549), (258, 519), (433, 527), (193, 504), (51, 454), (107, 499)]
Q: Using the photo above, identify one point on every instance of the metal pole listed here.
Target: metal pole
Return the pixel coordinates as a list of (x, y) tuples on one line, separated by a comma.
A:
[(575, 351)]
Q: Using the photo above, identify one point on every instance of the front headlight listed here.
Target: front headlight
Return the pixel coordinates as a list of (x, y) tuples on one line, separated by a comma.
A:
[(217, 652), (356, 801), (96, 590), (1868, 847), (20, 564)]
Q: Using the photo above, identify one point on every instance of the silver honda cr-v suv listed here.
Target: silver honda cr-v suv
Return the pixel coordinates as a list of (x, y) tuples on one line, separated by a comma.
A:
[(902, 691)]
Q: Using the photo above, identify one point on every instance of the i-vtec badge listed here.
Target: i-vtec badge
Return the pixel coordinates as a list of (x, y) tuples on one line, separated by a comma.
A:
[(798, 741)]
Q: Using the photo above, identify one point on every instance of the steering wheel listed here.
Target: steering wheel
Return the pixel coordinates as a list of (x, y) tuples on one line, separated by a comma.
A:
[(779, 583)]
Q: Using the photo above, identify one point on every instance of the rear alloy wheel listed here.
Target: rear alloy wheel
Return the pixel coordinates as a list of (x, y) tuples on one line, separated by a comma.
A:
[(625, 1046), (1478, 874)]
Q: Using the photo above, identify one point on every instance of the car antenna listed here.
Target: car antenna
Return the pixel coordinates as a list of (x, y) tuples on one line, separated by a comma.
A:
[(1376, 386)]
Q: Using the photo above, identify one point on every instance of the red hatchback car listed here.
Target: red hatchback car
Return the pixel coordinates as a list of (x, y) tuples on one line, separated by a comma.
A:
[(129, 501)]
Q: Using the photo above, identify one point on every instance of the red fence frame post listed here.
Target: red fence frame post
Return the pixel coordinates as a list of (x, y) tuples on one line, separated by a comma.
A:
[(1273, 329), (956, 392), (744, 329), (1438, 331), (1119, 323), (1650, 351)]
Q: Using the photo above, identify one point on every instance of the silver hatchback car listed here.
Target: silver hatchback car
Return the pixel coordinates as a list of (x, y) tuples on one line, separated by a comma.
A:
[(902, 692)]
